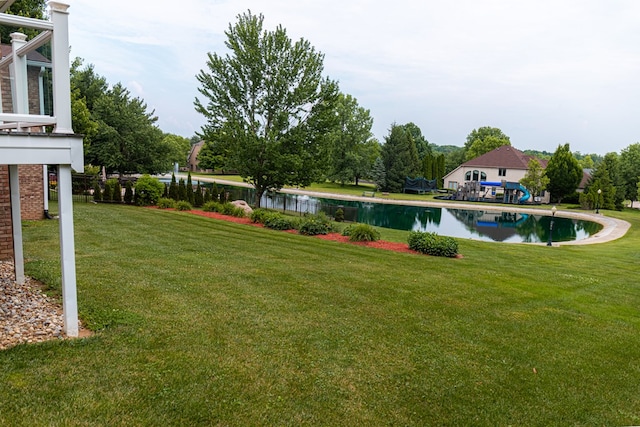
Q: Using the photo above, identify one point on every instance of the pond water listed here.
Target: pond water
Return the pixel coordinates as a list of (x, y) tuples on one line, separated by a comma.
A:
[(486, 223)]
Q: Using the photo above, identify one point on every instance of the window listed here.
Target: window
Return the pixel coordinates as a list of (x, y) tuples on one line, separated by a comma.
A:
[(483, 176), (475, 175), (467, 176), (502, 172)]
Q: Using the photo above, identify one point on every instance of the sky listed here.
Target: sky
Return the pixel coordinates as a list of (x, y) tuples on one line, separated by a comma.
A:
[(546, 72)]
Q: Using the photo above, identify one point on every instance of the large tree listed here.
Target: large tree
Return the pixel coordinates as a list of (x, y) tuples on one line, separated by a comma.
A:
[(268, 105), (400, 158), (483, 140), (422, 145), (127, 139), (630, 171), (353, 148), (564, 173)]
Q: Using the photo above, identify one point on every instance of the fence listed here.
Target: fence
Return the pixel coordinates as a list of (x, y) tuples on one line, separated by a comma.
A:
[(81, 188)]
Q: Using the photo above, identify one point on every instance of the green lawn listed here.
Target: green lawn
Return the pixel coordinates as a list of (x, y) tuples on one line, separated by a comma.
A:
[(205, 322)]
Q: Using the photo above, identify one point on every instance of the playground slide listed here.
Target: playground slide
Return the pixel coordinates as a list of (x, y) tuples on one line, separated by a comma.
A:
[(512, 185), (525, 194)]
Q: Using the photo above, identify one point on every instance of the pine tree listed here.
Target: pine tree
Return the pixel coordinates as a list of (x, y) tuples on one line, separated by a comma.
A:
[(182, 190), (190, 194), (198, 199), (173, 189), (128, 193), (564, 173), (378, 174), (400, 158)]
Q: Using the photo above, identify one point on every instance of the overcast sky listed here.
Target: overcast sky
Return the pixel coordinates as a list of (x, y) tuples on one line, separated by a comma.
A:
[(545, 72)]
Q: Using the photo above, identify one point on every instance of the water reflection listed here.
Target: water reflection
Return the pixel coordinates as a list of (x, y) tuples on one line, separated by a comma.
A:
[(489, 224)]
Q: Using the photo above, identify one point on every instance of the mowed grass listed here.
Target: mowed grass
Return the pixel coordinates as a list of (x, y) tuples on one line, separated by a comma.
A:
[(206, 322)]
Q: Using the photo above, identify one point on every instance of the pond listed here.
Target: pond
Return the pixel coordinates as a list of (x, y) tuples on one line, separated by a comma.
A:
[(485, 223)]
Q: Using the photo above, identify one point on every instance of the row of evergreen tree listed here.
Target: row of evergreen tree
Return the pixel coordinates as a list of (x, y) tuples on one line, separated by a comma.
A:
[(177, 190)]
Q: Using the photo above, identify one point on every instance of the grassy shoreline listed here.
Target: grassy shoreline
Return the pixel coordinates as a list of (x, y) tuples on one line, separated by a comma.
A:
[(203, 322)]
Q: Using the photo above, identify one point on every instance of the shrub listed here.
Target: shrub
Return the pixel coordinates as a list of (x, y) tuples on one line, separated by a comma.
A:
[(183, 205), (166, 203), (211, 206), (339, 215), (361, 233), (97, 192), (433, 244), (278, 221), (128, 192), (230, 209), (259, 215), (313, 225), (116, 196), (107, 194), (148, 190)]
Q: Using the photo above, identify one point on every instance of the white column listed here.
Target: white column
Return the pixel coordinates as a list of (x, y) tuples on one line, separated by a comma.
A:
[(67, 252), (16, 222), (45, 192), (19, 86), (61, 67)]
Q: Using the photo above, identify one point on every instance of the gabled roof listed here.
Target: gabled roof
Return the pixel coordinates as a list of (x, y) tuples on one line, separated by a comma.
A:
[(5, 49), (503, 157)]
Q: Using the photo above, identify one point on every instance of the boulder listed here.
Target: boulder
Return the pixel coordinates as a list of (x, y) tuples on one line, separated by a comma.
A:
[(243, 205)]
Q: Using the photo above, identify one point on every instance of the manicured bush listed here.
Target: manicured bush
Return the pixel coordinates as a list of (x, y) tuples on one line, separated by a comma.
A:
[(173, 188), (338, 216), (116, 196), (361, 233), (198, 197), (278, 221), (148, 190), (97, 192), (183, 205), (107, 193), (259, 215), (166, 203), (128, 192), (433, 244), (211, 206), (313, 225)]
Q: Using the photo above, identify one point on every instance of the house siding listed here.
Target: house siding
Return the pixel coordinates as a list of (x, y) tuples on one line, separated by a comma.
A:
[(6, 234)]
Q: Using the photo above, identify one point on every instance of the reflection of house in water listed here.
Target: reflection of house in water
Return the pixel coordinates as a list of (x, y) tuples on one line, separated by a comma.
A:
[(499, 226)]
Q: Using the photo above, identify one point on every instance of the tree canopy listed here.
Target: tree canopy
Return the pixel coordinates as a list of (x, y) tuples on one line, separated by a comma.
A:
[(564, 173), (27, 8), (268, 106), (535, 179), (629, 165), (400, 158), (483, 140), (120, 134), (353, 150)]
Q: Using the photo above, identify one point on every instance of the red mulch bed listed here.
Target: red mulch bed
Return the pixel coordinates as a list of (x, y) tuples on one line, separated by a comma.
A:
[(336, 237)]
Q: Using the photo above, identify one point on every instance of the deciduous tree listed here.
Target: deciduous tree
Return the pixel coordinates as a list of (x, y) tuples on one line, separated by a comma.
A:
[(483, 140), (630, 171), (267, 103), (535, 179)]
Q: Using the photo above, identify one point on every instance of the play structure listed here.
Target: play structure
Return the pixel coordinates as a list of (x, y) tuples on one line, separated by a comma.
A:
[(493, 191), (420, 185)]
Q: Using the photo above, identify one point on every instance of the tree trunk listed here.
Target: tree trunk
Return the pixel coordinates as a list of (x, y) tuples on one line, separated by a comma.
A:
[(259, 193)]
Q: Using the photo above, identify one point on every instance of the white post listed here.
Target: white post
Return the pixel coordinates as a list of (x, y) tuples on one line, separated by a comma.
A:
[(67, 252), (20, 86), (45, 192), (16, 222), (61, 67)]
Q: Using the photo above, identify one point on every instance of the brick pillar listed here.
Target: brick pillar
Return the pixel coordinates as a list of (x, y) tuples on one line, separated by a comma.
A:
[(6, 233), (31, 192)]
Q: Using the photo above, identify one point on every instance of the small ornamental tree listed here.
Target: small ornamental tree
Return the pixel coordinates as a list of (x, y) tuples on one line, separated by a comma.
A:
[(190, 195), (128, 192), (198, 198), (173, 188), (148, 191), (97, 192), (107, 194), (182, 190), (116, 196)]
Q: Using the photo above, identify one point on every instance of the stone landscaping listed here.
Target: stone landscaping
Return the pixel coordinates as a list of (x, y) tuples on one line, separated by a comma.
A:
[(27, 315)]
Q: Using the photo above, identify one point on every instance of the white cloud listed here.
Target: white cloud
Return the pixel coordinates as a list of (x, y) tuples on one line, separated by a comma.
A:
[(545, 72)]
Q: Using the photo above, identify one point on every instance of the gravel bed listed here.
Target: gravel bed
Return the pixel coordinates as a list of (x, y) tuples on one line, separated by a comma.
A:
[(27, 315)]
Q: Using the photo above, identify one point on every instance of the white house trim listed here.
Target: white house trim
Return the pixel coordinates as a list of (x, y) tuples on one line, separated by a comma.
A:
[(22, 141)]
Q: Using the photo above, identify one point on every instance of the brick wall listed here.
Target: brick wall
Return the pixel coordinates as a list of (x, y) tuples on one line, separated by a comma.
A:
[(6, 235), (31, 192)]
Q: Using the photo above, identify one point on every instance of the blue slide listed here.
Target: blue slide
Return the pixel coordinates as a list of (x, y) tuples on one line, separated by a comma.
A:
[(510, 186)]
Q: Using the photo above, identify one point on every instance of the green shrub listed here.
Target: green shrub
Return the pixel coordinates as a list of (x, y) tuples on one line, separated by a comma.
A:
[(433, 244), (166, 203), (361, 233), (148, 190), (313, 225), (128, 192), (183, 205), (339, 215), (107, 194), (278, 221), (230, 209), (211, 206), (116, 196), (258, 215), (97, 192)]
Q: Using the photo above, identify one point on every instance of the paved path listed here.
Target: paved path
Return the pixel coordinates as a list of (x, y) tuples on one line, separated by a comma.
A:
[(612, 228)]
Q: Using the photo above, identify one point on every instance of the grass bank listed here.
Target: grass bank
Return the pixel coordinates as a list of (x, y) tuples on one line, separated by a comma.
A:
[(205, 322)]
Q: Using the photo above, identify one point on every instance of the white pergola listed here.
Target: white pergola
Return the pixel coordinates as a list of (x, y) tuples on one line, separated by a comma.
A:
[(23, 141)]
